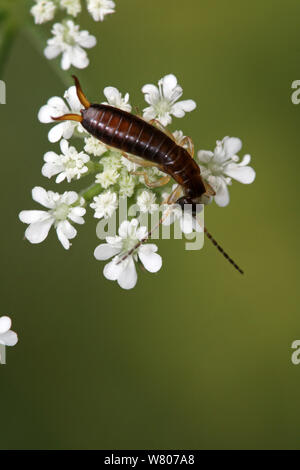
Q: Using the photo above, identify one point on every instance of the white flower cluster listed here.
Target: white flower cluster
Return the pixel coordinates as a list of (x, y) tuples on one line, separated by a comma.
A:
[(67, 38), (113, 176)]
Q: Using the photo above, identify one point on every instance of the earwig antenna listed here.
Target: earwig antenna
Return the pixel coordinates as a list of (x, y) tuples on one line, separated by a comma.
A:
[(81, 96), (138, 244), (222, 251)]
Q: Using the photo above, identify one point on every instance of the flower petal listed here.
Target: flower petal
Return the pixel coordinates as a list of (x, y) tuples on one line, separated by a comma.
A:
[(72, 99), (87, 40), (150, 259), (106, 251), (186, 222), (66, 60), (64, 146), (65, 231), (113, 270), (151, 94), (40, 195), (169, 83), (10, 338), (179, 109), (37, 232), (5, 324), (222, 196), (232, 145), (128, 277), (204, 156), (56, 133), (52, 51), (243, 174), (55, 107), (76, 214), (31, 217)]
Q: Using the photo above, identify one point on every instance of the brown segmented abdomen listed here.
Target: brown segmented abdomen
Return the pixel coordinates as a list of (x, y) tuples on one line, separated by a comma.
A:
[(131, 134)]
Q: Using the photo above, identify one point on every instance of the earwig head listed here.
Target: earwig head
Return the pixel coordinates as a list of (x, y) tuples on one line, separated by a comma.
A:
[(83, 100), (189, 204)]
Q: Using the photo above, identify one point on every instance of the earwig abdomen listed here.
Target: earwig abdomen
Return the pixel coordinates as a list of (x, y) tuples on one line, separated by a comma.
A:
[(131, 134)]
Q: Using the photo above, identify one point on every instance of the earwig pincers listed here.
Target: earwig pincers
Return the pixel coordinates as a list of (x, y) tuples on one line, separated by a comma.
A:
[(150, 143)]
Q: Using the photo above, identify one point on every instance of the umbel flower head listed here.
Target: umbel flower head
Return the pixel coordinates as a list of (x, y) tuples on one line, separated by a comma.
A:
[(7, 336), (113, 175), (124, 271)]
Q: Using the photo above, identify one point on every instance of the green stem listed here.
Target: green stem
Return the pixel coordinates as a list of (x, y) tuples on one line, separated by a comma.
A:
[(39, 40), (91, 191), (8, 34)]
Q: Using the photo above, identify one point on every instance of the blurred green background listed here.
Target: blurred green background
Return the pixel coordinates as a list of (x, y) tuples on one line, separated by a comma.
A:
[(196, 356)]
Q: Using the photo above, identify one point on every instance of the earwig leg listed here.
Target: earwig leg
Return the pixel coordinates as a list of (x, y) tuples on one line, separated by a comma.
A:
[(174, 195), (81, 96), (156, 123), (189, 145), (68, 117), (152, 184), (139, 161), (137, 111)]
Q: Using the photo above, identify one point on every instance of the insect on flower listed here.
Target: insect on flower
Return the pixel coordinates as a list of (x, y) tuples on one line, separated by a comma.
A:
[(149, 144)]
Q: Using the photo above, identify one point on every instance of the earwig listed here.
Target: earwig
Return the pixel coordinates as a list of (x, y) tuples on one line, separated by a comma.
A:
[(131, 134)]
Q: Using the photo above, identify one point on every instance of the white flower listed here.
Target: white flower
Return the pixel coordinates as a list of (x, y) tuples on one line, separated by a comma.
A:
[(130, 166), (7, 337), (61, 208), (69, 165), (94, 146), (113, 161), (220, 166), (73, 7), (69, 41), (42, 11), (100, 8), (127, 185), (124, 272), (163, 99), (105, 204), (107, 177), (114, 98), (146, 202), (56, 107)]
